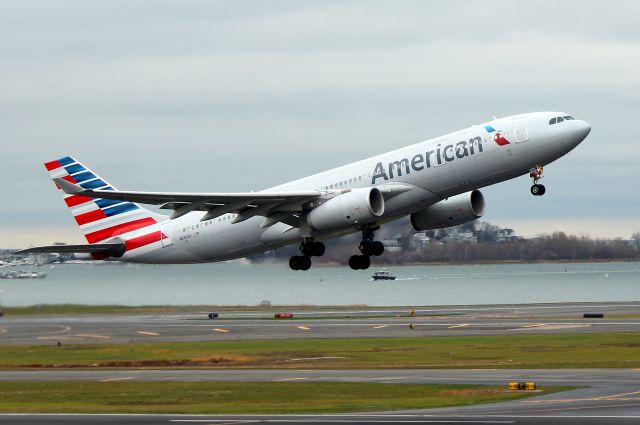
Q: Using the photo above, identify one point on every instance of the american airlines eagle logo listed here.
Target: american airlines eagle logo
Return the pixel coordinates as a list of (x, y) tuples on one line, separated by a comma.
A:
[(498, 137)]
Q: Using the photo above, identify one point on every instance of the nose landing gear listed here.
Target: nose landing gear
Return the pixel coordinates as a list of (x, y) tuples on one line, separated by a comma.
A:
[(309, 248), (368, 247), (536, 174)]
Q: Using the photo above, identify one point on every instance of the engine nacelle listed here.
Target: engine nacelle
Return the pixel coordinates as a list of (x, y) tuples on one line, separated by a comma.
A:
[(358, 206), (450, 212)]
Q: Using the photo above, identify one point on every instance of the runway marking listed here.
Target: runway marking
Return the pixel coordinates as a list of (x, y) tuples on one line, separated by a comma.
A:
[(3, 330), (380, 326), (565, 408), (340, 421), (63, 338), (567, 326), (289, 379), (63, 329), (390, 378), (221, 330), (303, 328), (535, 325), (93, 336), (114, 379), (148, 333), (616, 397), (463, 325), (382, 419)]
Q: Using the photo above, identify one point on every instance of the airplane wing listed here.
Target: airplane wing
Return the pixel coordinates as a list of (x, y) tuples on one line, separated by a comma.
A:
[(112, 248), (271, 205)]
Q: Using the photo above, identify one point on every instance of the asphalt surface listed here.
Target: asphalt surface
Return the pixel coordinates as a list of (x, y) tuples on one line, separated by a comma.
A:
[(608, 396), (338, 323)]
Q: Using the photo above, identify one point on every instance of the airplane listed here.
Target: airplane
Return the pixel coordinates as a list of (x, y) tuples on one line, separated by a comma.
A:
[(435, 182)]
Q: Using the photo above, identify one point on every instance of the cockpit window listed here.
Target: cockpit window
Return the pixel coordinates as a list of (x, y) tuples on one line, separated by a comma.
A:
[(557, 120)]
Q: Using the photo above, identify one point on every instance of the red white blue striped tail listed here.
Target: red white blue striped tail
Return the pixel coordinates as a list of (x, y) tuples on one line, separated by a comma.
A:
[(102, 219)]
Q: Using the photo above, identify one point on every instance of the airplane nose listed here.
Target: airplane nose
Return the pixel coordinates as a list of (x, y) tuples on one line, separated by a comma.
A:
[(582, 129)]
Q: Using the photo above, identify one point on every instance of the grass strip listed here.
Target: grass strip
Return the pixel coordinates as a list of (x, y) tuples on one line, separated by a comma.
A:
[(240, 397), (578, 350)]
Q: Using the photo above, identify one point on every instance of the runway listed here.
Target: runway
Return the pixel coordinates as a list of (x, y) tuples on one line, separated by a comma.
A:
[(609, 396), (323, 323)]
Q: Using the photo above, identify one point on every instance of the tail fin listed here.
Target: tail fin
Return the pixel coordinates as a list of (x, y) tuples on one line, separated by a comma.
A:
[(100, 219)]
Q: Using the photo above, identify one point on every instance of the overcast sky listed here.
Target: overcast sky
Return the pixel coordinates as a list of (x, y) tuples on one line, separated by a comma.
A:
[(242, 95)]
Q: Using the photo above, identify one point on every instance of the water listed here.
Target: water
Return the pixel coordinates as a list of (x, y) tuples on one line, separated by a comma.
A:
[(233, 283)]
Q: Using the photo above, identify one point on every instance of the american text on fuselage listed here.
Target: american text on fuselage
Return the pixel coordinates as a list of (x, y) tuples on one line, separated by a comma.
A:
[(431, 158)]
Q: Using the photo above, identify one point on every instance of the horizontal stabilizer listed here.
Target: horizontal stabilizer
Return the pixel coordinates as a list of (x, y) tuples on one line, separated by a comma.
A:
[(112, 249)]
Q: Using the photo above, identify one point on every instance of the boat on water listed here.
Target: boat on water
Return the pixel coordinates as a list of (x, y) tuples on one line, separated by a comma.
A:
[(383, 274)]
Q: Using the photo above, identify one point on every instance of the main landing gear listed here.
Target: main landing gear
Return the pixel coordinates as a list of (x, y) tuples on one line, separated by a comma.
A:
[(368, 247), (309, 248), (536, 174)]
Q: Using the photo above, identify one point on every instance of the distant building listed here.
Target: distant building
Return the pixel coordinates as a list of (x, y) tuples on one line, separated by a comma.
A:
[(392, 245), (505, 235), (421, 240)]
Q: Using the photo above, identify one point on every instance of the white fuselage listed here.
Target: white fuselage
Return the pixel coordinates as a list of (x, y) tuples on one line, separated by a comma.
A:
[(434, 170)]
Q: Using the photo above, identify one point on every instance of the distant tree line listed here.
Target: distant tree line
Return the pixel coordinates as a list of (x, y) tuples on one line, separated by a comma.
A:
[(474, 242), (555, 247)]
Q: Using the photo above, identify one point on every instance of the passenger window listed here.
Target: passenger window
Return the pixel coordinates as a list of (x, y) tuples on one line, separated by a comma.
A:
[(560, 119), (552, 121)]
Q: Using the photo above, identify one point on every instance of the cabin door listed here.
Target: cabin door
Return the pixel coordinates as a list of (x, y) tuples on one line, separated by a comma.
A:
[(520, 131)]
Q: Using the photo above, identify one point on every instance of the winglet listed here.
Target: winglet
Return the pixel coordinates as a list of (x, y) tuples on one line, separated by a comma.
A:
[(68, 187)]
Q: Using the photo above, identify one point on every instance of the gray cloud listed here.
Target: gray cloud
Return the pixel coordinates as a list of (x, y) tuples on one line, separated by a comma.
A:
[(216, 96)]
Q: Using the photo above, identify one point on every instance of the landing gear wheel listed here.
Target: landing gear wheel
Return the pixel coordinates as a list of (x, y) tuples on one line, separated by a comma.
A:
[(366, 247), (294, 262), (371, 248), (312, 249), (305, 263), (300, 262), (377, 248), (542, 189), (359, 262), (538, 190)]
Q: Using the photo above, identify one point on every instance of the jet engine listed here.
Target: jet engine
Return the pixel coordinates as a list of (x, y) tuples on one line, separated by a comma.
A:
[(358, 206), (450, 212)]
